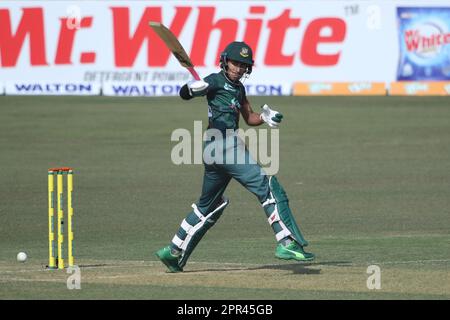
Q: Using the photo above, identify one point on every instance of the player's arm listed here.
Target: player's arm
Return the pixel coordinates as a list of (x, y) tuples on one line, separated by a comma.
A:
[(251, 118), (269, 116)]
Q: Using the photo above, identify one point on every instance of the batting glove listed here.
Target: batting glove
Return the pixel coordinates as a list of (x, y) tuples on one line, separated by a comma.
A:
[(197, 88), (271, 117)]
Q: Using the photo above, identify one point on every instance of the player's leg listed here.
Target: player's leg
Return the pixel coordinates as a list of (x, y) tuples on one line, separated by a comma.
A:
[(204, 215), (275, 203), (277, 209)]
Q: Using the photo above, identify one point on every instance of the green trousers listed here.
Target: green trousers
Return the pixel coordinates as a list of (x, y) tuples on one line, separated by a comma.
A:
[(236, 163)]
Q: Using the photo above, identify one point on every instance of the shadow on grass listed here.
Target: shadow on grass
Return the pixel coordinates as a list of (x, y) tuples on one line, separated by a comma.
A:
[(99, 265), (296, 268)]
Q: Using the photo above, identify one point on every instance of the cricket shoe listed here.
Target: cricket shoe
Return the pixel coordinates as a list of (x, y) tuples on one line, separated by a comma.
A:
[(293, 251), (170, 260)]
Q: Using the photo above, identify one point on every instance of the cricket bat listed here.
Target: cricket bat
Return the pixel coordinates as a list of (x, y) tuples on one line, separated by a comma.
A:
[(175, 46)]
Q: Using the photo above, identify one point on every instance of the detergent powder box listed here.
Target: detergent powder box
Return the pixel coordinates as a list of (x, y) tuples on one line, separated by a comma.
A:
[(424, 43)]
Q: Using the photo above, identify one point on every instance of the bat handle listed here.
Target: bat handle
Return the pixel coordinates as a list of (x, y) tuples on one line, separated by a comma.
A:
[(194, 73)]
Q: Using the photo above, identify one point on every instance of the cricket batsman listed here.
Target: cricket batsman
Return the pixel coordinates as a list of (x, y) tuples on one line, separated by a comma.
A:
[(226, 98)]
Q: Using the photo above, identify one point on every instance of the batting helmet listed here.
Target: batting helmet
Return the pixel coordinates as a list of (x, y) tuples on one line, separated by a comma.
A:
[(237, 51)]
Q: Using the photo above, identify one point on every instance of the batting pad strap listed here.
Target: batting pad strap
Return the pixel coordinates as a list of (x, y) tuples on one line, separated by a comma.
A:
[(268, 201), (177, 241), (185, 225), (197, 212), (283, 234)]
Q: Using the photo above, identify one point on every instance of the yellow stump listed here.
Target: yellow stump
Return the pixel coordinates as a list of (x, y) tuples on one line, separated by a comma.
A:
[(56, 237), (51, 221), (60, 220), (69, 216)]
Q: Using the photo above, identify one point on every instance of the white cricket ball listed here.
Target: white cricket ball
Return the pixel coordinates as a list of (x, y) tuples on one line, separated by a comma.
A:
[(21, 257)]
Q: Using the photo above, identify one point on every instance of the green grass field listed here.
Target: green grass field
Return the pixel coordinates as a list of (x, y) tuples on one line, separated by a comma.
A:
[(368, 180)]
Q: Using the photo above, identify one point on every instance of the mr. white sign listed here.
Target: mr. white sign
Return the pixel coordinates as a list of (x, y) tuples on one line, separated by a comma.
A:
[(110, 43)]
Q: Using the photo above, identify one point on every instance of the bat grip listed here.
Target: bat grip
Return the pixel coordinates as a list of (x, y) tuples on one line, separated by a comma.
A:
[(194, 73)]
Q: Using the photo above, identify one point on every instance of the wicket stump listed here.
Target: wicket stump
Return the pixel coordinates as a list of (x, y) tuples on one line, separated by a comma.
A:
[(56, 255)]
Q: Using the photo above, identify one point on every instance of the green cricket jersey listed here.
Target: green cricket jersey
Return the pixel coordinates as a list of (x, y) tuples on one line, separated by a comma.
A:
[(225, 99)]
